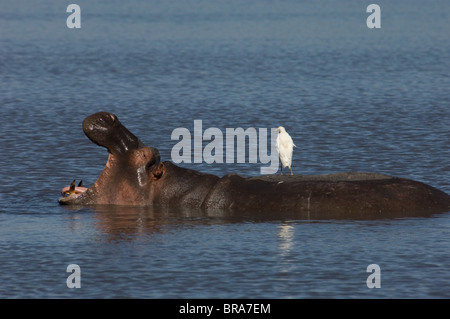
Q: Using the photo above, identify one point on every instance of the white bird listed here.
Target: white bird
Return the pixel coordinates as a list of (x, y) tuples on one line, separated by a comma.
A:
[(285, 147)]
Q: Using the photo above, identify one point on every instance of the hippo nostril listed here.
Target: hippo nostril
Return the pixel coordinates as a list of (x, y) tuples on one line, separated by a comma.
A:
[(102, 121)]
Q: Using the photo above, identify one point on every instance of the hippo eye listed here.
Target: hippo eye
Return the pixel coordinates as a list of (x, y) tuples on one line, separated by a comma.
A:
[(150, 163)]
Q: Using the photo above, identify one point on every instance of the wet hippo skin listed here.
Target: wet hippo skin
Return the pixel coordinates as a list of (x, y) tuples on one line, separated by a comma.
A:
[(135, 175)]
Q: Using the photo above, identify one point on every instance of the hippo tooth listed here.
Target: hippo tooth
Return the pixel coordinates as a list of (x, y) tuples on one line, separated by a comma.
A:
[(72, 187)]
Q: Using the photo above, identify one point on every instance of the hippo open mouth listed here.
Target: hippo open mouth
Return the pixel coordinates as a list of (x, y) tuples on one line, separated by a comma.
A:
[(124, 148)]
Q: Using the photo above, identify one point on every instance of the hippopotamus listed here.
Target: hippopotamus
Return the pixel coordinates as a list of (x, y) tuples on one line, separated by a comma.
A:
[(135, 175)]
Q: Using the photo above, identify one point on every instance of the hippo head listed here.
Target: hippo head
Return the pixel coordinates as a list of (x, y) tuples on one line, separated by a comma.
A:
[(129, 172)]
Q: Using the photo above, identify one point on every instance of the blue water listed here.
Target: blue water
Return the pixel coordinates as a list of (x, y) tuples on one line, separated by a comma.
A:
[(352, 98)]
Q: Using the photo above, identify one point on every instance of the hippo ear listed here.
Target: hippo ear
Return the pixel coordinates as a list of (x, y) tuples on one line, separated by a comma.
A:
[(159, 171)]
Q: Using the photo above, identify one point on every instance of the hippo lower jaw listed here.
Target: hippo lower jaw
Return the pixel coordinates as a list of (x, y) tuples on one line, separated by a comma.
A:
[(73, 197), (78, 195), (77, 191), (125, 180)]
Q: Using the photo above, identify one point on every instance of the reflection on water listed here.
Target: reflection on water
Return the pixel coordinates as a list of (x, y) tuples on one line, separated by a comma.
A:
[(130, 222), (286, 236)]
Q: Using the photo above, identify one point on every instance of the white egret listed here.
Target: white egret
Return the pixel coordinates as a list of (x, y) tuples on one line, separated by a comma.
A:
[(285, 147)]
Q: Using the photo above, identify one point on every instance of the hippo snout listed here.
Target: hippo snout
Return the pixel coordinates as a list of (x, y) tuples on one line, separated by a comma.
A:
[(105, 129)]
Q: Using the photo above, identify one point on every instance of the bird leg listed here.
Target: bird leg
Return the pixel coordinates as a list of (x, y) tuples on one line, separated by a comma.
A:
[(291, 170)]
